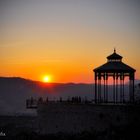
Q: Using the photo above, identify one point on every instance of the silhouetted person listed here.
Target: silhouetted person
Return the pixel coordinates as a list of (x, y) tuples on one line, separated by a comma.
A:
[(79, 99), (31, 101), (46, 101), (86, 101), (40, 100), (60, 99), (27, 103), (68, 100)]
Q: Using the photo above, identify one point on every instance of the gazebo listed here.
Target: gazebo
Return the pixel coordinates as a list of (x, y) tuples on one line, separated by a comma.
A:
[(115, 68)]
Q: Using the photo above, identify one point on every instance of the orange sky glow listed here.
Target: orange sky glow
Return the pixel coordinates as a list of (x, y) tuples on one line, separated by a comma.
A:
[(66, 39)]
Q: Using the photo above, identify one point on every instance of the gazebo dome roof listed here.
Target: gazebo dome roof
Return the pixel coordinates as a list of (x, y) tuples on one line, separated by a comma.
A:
[(114, 64), (114, 67), (114, 56)]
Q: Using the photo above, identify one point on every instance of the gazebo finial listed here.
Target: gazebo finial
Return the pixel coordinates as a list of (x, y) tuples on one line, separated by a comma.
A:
[(114, 50)]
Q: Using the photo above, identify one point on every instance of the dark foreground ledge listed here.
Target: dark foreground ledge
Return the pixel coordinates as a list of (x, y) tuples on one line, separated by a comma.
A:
[(30, 127)]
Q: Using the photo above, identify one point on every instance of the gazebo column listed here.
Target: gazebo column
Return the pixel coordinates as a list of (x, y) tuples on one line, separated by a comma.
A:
[(95, 97), (121, 82), (114, 88), (106, 81), (116, 101), (123, 88), (131, 88), (99, 87), (104, 87)]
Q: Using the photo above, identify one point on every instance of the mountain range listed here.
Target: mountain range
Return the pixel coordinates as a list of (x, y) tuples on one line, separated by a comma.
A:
[(15, 90)]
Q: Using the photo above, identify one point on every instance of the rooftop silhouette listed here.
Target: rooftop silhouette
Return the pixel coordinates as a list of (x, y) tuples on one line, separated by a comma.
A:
[(115, 68)]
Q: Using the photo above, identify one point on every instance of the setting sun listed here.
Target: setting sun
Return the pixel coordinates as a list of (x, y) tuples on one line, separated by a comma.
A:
[(46, 79)]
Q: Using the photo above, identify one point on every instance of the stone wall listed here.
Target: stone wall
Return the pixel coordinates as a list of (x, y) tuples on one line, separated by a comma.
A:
[(75, 118)]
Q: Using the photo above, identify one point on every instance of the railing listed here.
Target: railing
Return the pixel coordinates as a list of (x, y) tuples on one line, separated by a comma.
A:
[(33, 103)]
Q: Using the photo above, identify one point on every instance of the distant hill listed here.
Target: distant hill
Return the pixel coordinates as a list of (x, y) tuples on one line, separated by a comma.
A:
[(14, 92)]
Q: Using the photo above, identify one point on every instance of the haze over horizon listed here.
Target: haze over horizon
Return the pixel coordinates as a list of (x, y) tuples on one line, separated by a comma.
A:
[(66, 39)]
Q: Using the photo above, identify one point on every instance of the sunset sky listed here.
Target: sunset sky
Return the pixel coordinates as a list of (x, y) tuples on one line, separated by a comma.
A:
[(66, 39)]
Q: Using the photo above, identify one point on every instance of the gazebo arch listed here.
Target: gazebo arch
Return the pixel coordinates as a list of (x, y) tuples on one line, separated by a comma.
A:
[(118, 70)]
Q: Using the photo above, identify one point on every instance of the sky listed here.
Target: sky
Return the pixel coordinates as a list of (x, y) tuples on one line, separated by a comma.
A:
[(66, 39)]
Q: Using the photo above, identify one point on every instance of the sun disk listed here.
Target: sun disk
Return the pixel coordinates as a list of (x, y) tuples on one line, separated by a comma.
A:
[(46, 79)]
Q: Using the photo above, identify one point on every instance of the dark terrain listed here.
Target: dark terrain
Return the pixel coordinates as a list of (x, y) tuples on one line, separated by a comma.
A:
[(26, 128), (18, 123)]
